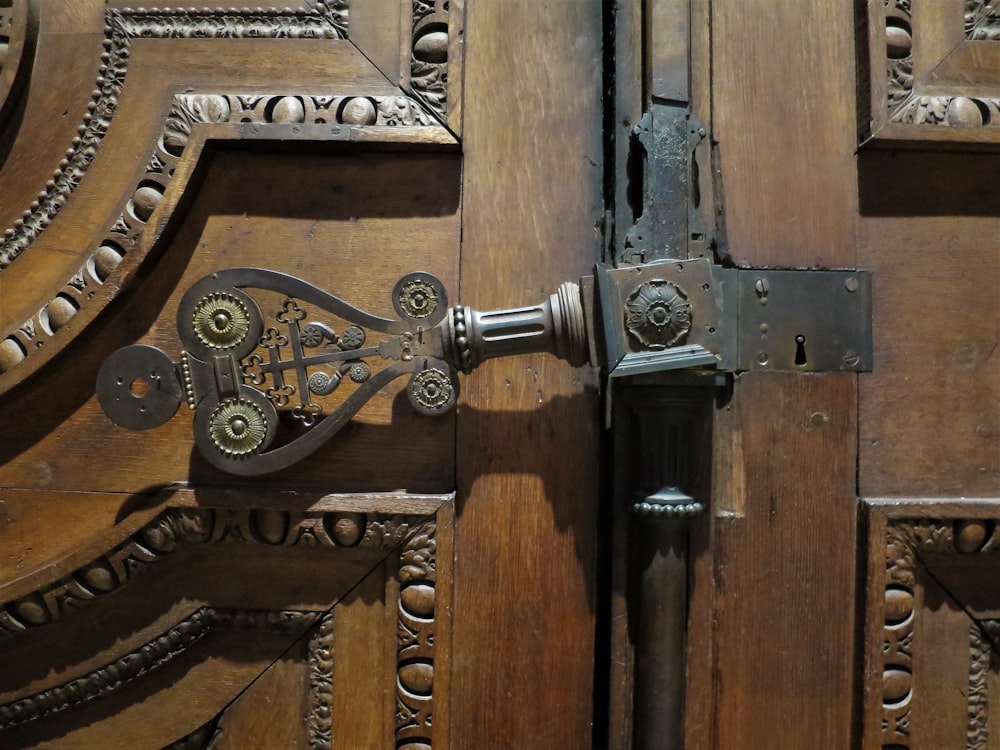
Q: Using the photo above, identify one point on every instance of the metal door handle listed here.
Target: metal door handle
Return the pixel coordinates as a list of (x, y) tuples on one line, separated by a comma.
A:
[(241, 368)]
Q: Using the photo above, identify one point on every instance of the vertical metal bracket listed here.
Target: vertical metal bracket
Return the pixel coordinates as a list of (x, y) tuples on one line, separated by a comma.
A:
[(669, 226)]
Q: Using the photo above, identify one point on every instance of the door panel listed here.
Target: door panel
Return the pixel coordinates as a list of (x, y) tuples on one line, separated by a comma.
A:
[(810, 469), (148, 599), (929, 453), (775, 634)]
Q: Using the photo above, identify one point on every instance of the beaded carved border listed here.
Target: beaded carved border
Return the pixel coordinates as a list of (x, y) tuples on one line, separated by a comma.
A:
[(121, 26), (319, 720), (415, 639), (161, 537), (150, 657)]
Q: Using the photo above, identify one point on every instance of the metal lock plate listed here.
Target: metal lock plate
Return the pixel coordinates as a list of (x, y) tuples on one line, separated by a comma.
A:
[(665, 316), (805, 321)]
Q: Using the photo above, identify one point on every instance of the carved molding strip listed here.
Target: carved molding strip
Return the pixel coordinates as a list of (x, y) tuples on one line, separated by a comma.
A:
[(162, 536), (121, 26), (979, 705), (415, 639), (897, 647), (150, 657), (320, 658), (429, 55)]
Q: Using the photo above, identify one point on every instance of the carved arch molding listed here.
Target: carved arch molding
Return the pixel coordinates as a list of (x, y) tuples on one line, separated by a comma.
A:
[(88, 211)]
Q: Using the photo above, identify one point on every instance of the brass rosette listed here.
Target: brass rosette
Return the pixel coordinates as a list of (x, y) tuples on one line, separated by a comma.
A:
[(432, 391), (220, 320), (214, 319), (237, 427), (420, 296)]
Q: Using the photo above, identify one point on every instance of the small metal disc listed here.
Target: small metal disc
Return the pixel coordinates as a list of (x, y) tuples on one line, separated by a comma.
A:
[(420, 297), (432, 391), (138, 388)]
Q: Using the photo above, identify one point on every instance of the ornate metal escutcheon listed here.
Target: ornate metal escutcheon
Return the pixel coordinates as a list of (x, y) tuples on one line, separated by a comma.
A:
[(268, 389)]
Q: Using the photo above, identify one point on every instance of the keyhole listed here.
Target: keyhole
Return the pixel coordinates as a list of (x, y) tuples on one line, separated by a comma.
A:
[(800, 350)]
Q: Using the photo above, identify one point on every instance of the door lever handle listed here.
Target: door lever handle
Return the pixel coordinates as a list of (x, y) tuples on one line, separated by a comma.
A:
[(314, 360)]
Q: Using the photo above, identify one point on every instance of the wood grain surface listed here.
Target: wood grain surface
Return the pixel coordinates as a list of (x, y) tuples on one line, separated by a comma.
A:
[(781, 637), (527, 453)]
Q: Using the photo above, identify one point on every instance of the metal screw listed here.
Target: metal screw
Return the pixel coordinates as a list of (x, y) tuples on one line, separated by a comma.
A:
[(851, 284), (851, 358), (763, 287), (762, 358)]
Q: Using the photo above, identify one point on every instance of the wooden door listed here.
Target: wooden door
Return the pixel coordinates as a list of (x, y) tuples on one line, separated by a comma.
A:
[(455, 581), (417, 582), (845, 596)]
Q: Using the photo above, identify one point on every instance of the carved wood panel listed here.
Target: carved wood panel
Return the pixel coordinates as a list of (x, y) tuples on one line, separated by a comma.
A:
[(156, 146), (932, 661), (146, 600), (381, 575), (929, 72)]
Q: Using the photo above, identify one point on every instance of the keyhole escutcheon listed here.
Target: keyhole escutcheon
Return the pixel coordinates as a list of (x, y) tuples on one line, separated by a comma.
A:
[(800, 351)]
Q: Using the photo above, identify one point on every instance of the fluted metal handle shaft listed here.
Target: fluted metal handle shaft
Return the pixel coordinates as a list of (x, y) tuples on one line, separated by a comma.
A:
[(557, 326)]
